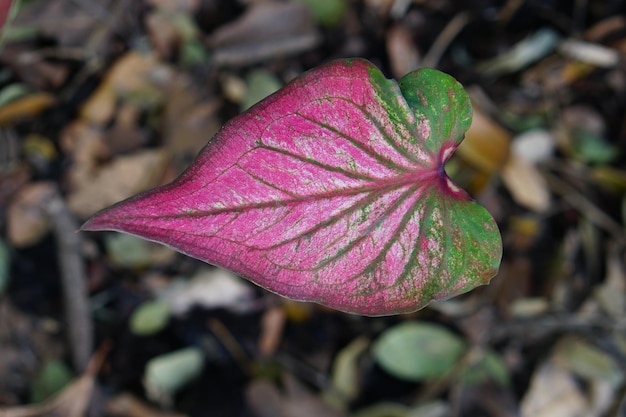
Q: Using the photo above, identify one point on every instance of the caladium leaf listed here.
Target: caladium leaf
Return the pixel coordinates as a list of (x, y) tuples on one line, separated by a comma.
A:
[(332, 190)]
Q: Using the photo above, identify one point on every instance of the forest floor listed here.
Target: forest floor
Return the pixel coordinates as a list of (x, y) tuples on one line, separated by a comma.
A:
[(102, 99)]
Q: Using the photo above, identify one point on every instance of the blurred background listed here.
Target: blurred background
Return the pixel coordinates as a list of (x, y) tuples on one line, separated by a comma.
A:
[(102, 99)]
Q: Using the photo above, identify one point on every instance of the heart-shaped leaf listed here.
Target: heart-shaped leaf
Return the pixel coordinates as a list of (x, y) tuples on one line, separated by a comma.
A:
[(332, 190)]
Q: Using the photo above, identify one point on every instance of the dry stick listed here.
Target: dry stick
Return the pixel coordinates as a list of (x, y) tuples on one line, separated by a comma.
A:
[(91, 51), (510, 8), (77, 314), (586, 207), (445, 38), (231, 344), (619, 403)]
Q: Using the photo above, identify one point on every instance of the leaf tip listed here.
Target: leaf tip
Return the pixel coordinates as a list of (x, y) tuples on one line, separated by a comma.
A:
[(97, 223)]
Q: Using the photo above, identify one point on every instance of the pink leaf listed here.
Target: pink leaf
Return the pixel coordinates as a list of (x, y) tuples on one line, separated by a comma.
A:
[(5, 8), (332, 190)]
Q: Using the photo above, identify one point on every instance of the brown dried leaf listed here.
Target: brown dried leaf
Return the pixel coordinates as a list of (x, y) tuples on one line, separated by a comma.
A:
[(526, 184), (63, 20), (265, 31), (556, 388), (25, 108), (86, 145), (486, 144), (32, 68), (264, 399), (162, 33), (553, 392), (300, 401), (11, 181), (126, 135), (123, 177), (27, 222), (208, 288), (403, 54), (188, 122), (134, 74), (297, 401)]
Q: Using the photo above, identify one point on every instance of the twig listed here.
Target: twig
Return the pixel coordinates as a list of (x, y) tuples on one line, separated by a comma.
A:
[(93, 45), (77, 314), (586, 207), (445, 38), (618, 404), (230, 343)]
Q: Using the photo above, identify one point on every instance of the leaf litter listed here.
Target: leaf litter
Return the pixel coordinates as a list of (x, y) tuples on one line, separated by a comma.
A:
[(552, 318)]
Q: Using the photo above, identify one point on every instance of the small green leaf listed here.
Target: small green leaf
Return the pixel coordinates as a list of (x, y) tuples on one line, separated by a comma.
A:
[(488, 368), (589, 362), (327, 13), (261, 83), (131, 252), (167, 374), (52, 378), (417, 351), (524, 53), (345, 374), (593, 148), (13, 92), (193, 53), (150, 317), (5, 261)]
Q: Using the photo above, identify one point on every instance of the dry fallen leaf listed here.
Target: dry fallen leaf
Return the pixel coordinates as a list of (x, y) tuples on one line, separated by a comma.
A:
[(27, 222), (25, 108), (33, 69), (404, 56), (163, 34), (553, 392), (209, 288), (266, 30), (134, 74), (534, 146), (526, 185), (577, 380), (63, 21), (125, 176), (486, 144), (13, 177), (188, 121), (266, 400)]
